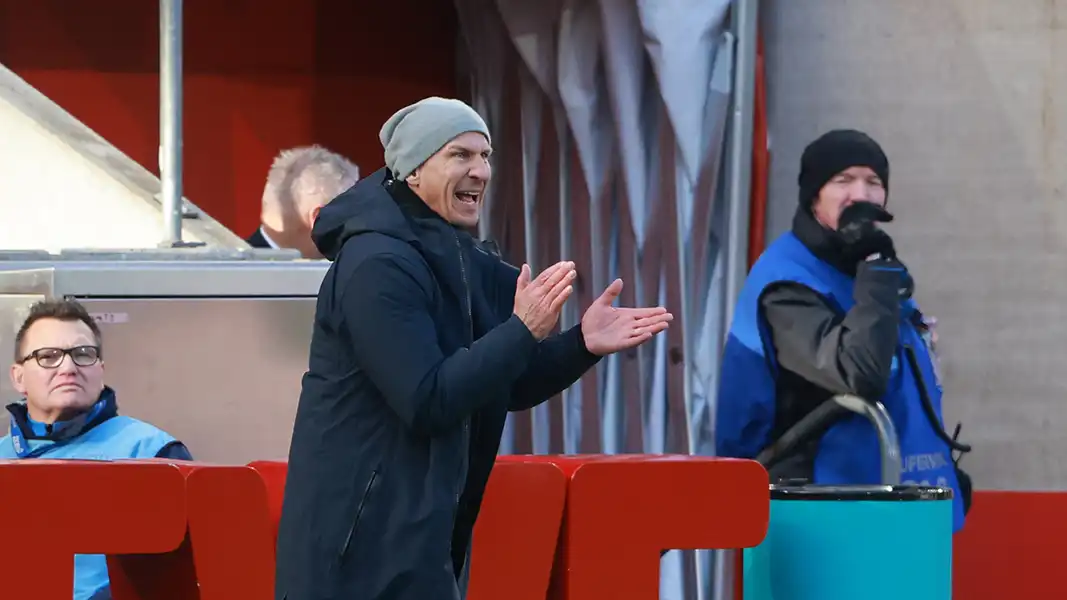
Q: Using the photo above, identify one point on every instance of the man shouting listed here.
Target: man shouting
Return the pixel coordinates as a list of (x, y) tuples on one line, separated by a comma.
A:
[(423, 341)]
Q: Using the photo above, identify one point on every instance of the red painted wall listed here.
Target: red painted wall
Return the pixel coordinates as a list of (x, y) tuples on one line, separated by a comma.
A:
[(260, 75)]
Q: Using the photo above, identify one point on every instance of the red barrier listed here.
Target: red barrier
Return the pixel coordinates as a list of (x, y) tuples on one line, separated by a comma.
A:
[(517, 531), (998, 554), (618, 512), (523, 501), (232, 533), (85, 508), (166, 576), (1011, 546), (273, 473), (228, 549), (623, 510), (606, 541)]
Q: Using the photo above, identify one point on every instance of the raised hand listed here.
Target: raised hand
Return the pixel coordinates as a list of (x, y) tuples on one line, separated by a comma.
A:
[(608, 329), (857, 226), (538, 302)]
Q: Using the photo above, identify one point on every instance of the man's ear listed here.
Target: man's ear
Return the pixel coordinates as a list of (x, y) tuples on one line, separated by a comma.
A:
[(16, 374), (413, 179), (313, 215)]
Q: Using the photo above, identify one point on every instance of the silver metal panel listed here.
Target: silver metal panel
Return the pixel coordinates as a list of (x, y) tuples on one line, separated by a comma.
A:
[(13, 309), (232, 278), (222, 375), (212, 351)]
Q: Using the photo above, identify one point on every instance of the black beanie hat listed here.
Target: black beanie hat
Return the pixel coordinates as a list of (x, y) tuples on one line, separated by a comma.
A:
[(836, 151)]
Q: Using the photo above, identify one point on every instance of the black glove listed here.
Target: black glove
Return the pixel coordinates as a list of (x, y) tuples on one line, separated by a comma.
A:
[(863, 241), (876, 270), (859, 233)]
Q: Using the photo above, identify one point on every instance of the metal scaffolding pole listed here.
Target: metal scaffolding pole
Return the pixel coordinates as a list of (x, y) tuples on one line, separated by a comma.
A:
[(744, 17), (745, 26), (170, 120)]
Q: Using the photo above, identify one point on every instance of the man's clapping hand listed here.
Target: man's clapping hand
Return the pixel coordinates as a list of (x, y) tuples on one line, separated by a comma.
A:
[(608, 329), (538, 302)]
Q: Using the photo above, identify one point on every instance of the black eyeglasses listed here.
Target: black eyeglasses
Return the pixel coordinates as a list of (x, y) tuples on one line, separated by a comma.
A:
[(50, 358)]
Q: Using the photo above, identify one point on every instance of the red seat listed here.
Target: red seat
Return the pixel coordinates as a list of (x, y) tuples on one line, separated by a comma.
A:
[(623, 510), (232, 533), (61, 508), (517, 531), (273, 473), (1010, 546)]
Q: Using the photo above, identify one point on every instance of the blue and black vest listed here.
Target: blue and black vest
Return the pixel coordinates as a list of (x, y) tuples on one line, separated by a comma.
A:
[(848, 451), (99, 434)]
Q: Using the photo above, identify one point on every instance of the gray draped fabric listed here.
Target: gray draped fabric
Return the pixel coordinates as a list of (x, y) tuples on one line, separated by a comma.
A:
[(611, 122)]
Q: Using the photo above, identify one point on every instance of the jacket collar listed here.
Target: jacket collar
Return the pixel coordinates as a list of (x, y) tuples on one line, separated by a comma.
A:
[(822, 241), (423, 217), (411, 204), (105, 408)]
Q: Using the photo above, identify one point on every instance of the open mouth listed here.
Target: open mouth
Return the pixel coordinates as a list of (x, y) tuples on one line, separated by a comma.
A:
[(467, 197)]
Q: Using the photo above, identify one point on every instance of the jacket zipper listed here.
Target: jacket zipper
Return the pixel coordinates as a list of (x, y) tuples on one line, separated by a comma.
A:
[(359, 512), (470, 341), (466, 290), (470, 317)]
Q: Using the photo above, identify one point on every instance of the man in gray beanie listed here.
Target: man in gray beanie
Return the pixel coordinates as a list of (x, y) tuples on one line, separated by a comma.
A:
[(423, 342)]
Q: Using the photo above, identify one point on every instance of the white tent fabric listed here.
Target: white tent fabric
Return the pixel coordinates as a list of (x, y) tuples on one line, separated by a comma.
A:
[(610, 132), (486, 81), (632, 111)]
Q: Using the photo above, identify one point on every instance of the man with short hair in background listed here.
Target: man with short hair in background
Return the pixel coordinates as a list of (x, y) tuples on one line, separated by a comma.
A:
[(299, 183), (67, 412)]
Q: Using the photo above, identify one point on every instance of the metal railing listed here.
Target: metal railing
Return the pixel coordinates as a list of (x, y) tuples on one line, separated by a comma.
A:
[(170, 122), (816, 422)]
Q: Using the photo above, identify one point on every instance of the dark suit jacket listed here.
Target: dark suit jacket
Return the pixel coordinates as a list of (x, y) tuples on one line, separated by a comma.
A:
[(256, 240)]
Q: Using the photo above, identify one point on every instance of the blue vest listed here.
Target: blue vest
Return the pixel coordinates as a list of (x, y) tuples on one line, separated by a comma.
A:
[(119, 437), (848, 451)]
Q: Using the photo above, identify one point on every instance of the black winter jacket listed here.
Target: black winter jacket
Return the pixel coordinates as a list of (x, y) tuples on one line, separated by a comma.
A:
[(415, 361), (822, 352)]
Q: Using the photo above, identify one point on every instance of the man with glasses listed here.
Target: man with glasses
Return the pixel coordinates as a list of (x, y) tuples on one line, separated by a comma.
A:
[(68, 413)]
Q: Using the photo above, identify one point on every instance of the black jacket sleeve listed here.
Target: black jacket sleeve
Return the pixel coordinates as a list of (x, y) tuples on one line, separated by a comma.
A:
[(174, 451), (560, 360), (387, 314), (848, 353)]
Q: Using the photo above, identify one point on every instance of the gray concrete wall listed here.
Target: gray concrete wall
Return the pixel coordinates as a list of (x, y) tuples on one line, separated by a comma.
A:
[(969, 99)]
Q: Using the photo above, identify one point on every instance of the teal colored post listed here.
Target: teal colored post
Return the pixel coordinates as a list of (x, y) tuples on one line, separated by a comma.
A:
[(873, 547)]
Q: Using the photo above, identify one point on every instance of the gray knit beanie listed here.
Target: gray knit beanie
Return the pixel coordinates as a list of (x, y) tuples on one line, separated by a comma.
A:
[(416, 132)]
